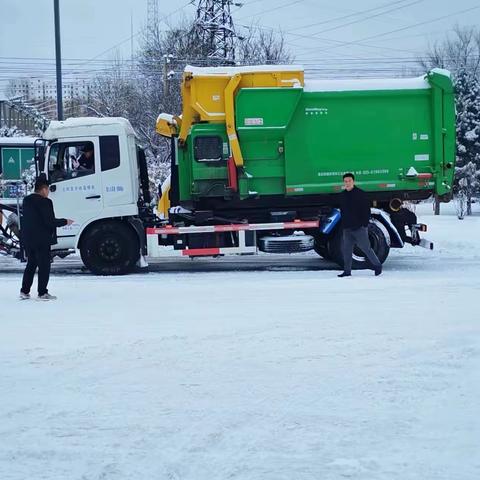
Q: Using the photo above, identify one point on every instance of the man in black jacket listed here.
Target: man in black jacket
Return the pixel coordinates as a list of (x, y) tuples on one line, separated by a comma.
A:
[(355, 208), (38, 230)]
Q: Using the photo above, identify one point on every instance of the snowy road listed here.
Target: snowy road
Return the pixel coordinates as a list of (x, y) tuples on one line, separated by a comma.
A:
[(192, 373), (73, 265)]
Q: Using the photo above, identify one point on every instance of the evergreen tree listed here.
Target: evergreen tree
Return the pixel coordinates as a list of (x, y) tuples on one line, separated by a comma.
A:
[(461, 55), (467, 169)]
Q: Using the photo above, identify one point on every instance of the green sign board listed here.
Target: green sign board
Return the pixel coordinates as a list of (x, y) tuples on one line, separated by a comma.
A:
[(15, 160)]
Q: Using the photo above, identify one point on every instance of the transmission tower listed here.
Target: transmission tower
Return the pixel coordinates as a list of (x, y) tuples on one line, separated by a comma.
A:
[(214, 26), (152, 15)]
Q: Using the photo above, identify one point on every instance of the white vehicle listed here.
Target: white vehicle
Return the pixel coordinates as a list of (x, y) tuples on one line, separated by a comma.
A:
[(104, 197)]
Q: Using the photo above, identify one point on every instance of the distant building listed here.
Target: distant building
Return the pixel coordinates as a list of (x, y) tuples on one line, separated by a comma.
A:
[(38, 89)]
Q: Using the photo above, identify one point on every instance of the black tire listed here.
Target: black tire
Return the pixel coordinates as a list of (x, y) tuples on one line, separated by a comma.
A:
[(321, 248), (110, 248), (378, 241)]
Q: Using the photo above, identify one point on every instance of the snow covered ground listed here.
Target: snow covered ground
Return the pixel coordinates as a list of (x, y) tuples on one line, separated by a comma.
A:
[(265, 375)]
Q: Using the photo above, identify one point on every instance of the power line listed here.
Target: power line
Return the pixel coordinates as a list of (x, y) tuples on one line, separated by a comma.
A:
[(315, 35), (369, 17), (344, 44), (329, 40), (162, 19), (344, 17), (279, 7)]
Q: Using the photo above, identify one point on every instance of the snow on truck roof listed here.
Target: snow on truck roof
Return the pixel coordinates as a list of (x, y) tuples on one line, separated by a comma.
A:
[(325, 85), (442, 71), (354, 84), (82, 125), (197, 71)]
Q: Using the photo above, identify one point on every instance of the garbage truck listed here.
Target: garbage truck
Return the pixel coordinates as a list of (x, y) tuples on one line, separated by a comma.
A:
[(257, 159)]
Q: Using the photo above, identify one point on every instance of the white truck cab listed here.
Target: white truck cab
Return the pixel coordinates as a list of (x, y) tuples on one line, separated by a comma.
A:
[(92, 165)]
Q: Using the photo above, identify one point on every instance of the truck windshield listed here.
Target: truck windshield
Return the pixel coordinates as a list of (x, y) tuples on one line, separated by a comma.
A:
[(70, 160)]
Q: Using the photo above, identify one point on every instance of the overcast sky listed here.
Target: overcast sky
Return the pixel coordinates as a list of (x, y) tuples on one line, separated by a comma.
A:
[(322, 34)]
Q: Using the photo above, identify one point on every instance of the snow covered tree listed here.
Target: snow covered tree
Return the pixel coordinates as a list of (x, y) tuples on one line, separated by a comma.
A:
[(29, 176), (461, 55), (10, 131), (467, 169)]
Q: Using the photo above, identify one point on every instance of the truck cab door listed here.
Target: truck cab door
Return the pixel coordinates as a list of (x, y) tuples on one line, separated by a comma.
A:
[(75, 184)]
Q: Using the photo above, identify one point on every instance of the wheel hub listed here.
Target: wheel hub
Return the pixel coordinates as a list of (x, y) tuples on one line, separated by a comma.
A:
[(109, 249)]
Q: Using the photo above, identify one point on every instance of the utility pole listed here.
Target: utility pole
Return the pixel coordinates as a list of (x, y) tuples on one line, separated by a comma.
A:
[(131, 40), (58, 57), (167, 73)]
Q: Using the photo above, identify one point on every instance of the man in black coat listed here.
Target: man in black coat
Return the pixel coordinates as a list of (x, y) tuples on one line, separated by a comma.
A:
[(39, 232), (355, 208)]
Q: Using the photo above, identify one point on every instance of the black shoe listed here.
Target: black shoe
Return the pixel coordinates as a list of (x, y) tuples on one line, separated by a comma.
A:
[(344, 274), (378, 271)]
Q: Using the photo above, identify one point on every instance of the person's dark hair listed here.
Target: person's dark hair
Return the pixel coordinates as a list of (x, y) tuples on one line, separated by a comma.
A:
[(40, 183), (349, 175), (88, 147)]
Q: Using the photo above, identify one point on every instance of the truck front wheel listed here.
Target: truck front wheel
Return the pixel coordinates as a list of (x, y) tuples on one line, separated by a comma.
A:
[(110, 248), (379, 241)]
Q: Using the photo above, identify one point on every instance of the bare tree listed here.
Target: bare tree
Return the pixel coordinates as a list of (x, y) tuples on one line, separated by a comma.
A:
[(113, 92), (10, 90), (262, 46), (460, 52), (162, 58)]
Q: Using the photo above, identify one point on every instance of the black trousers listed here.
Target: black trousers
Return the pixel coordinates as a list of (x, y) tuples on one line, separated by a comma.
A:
[(37, 257), (357, 237)]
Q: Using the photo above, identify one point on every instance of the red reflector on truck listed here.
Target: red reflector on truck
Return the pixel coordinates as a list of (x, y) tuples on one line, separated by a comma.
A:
[(232, 175), (195, 252)]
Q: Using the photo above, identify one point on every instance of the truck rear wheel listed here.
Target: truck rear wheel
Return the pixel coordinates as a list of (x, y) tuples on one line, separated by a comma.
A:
[(110, 248), (379, 241), (321, 249)]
